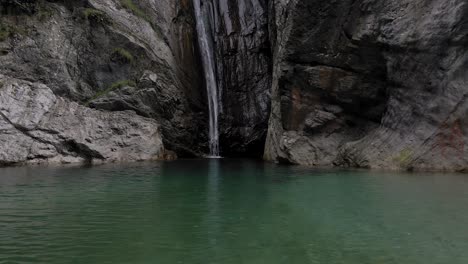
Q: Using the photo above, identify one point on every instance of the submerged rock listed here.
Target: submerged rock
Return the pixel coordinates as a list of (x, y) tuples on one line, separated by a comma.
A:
[(38, 127)]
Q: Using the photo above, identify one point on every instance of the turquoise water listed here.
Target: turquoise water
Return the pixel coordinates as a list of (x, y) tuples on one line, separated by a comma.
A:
[(230, 211)]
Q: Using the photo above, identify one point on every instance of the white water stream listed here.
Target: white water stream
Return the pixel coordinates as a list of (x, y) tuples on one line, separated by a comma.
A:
[(207, 54)]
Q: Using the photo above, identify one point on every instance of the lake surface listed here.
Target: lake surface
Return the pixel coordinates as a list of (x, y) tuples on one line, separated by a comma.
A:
[(230, 211)]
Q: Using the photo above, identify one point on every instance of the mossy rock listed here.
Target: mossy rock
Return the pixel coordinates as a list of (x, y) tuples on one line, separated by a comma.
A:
[(4, 33), (95, 15), (122, 55), (113, 87), (132, 7), (403, 159), (7, 31), (44, 12)]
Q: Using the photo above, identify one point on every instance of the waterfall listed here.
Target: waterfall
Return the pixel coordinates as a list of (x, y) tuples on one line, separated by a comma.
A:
[(207, 55)]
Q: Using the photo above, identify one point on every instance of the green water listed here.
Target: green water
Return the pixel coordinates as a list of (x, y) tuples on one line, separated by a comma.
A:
[(230, 211)]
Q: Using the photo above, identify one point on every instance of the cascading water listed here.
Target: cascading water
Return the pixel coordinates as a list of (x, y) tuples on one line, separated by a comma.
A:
[(207, 54)]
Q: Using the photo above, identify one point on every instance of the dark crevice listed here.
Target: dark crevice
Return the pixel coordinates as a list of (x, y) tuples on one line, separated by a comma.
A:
[(82, 150)]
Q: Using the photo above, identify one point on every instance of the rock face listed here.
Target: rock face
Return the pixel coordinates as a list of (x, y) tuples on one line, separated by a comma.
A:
[(243, 60), (112, 55), (350, 83), (38, 127), (374, 84)]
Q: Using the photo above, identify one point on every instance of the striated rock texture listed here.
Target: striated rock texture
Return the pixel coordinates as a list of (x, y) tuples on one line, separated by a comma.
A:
[(370, 83), (38, 127), (113, 55), (243, 60)]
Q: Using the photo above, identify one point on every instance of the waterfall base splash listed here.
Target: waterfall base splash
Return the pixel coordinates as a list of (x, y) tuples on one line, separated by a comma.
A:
[(213, 157)]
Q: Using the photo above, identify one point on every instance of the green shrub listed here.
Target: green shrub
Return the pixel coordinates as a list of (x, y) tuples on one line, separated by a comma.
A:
[(114, 86), (122, 55), (95, 15), (130, 5)]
